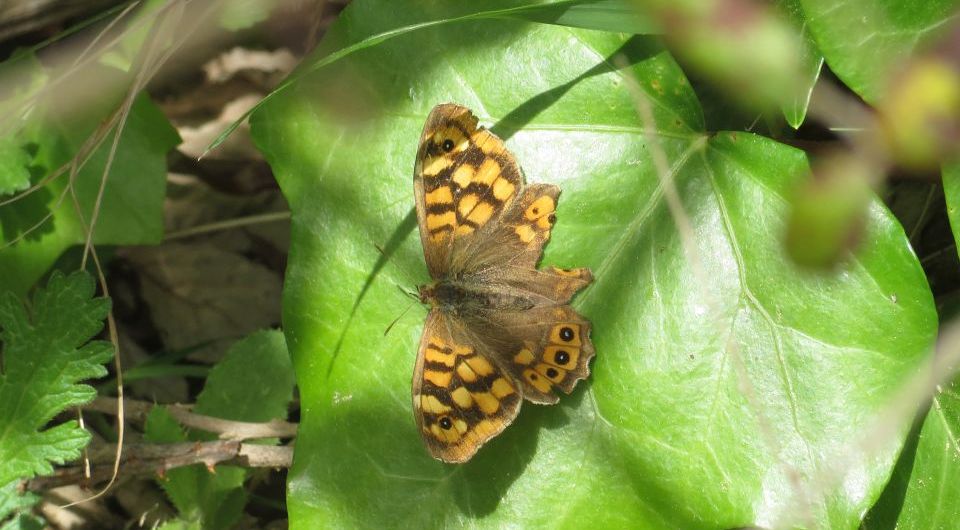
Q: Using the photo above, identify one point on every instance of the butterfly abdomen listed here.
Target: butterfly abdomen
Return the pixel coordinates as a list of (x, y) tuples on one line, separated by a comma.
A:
[(458, 297)]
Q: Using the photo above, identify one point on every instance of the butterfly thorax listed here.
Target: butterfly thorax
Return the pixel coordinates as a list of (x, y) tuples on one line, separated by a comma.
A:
[(459, 297)]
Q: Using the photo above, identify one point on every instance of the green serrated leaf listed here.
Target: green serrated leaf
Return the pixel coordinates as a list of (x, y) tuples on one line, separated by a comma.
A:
[(14, 175), (24, 521), (161, 427), (718, 398), (253, 382), (47, 351), (131, 211), (15, 509), (20, 76), (180, 484), (865, 41)]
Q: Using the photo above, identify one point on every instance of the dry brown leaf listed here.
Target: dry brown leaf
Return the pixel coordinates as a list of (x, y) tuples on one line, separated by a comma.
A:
[(198, 292)]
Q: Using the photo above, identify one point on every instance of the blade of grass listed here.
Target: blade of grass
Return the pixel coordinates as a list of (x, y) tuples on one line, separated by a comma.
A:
[(604, 15)]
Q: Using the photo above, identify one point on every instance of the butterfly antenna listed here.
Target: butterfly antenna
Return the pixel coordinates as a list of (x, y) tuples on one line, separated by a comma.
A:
[(411, 294), (404, 272), (404, 312)]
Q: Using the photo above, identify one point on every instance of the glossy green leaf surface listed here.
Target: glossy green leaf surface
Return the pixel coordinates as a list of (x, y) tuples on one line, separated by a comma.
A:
[(607, 15), (810, 62), (863, 41), (932, 494), (725, 379), (951, 194)]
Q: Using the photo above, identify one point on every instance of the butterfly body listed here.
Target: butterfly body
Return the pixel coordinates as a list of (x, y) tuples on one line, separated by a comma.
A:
[(457, 297), (499, 330)]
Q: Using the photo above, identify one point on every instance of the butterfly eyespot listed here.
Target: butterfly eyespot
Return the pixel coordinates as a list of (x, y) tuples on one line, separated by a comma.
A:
[(552, 372), (566, 334), (552, 219), (561, 357), (447, 145), (445, 423), (536, 211)]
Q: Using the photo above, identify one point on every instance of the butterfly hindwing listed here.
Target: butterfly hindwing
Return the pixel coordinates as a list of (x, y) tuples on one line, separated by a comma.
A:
[(549, 350), (461, 396)]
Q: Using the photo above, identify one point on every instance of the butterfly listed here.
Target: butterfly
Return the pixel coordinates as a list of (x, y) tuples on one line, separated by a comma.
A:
[(499, 330)]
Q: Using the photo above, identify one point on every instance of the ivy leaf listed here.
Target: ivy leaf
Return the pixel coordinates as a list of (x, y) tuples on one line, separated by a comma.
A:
[(934, 484), (863, 41), (47, 351), (727, 391), (951, 193), (810, 62)]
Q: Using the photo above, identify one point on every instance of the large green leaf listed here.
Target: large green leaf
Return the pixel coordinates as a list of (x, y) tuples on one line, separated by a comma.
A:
[(720, 393), (864, 40)]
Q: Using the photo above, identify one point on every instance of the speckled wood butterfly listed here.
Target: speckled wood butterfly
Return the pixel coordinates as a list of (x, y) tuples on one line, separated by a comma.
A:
[(499, 330)]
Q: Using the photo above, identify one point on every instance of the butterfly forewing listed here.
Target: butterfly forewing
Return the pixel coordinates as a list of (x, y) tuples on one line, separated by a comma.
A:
[(464, 179)]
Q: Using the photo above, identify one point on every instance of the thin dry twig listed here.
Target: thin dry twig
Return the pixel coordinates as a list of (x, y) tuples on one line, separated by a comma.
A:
[(137, 411), (118, 366), (684, 226), (139, 459), (227, 224)]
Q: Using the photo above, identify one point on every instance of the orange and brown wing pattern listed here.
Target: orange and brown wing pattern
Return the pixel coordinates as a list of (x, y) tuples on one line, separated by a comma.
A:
[(461, 398), (555, 352), (464, 179)]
